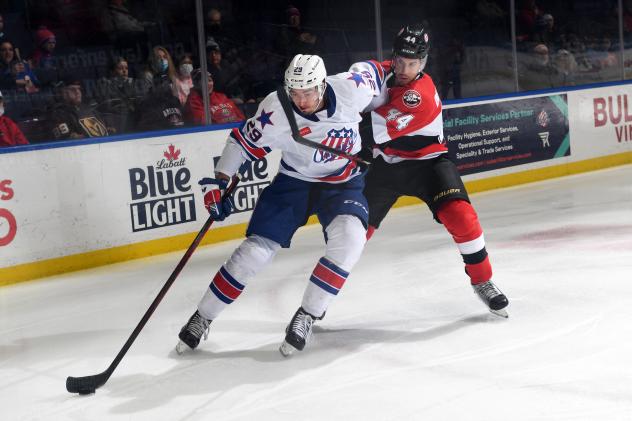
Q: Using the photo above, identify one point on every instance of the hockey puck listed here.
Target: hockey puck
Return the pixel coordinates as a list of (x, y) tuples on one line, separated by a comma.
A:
[(86, 391)]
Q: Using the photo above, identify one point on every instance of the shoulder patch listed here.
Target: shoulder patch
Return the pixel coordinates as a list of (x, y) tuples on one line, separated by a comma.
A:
[(411, 98)]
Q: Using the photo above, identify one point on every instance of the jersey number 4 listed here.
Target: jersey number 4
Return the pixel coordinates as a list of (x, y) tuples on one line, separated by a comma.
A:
[(401, 120)]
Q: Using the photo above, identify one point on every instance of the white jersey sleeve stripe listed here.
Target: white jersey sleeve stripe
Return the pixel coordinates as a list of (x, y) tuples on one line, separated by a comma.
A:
[(251, 150), (379, 73)]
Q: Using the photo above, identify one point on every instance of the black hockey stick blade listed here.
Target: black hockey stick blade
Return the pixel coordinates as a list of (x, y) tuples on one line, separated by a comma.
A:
[(89, 384), (289, 113)]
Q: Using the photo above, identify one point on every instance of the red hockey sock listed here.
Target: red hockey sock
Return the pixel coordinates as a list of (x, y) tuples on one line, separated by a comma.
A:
[(461, 221), (479, 272), (369, 232)]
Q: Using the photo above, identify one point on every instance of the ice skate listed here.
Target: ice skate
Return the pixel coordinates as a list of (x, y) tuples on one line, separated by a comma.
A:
[(298, 332), (492, 297), (192, 332)]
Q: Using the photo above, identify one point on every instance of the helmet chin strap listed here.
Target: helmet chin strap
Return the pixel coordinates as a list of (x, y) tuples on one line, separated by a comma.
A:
[(321, 94)]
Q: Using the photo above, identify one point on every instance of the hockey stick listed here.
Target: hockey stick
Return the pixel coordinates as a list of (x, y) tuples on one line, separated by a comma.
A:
[(289, 113), (88, 384)]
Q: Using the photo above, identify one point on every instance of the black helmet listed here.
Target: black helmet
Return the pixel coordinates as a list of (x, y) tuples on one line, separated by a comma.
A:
[(411, 42)]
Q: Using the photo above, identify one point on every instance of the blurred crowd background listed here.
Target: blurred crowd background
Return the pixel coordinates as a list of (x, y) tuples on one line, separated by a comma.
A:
[(74, 69)]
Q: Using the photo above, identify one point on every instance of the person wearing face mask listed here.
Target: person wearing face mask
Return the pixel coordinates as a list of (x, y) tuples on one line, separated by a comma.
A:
[(221, 108), (160, 109), (10, 133), (160, 71), (183, 82)]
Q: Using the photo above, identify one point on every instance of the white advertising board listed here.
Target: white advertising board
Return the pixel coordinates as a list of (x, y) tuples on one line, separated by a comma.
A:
[(70, 200), (75, 199)]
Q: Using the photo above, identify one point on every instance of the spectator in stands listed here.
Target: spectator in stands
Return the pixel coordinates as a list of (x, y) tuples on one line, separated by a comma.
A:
[(69, 118), (545, 31), (536, 70), (10, 133), (15, 74), (43, 62), (7, 55), (214, 29), (566, 66), (293, 39), (159, 112), (183, 81), (226, 78), (160, 109), (574, 44), (45, 43), (118, 94), (221, 108), (123, 28), (224, 34), (600, 55), (21, 78), (160, 69), (526, 15)]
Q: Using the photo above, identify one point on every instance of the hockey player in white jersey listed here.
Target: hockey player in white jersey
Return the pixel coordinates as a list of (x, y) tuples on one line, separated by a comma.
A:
[(309, 182)]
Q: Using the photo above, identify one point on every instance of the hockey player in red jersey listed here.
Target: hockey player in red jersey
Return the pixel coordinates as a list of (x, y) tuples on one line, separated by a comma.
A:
[(410, 157)]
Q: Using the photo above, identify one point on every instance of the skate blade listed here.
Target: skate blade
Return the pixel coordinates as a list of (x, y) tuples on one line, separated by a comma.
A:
[(500, 313), (181, 348), (286, 349)]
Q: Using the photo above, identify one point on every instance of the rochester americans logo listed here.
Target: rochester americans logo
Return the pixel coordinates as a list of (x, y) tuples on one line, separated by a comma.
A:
[(161, 193), (342, 140)]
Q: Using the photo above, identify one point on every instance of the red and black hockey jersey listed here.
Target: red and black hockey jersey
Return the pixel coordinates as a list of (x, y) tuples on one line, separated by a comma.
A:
[(406, 120)]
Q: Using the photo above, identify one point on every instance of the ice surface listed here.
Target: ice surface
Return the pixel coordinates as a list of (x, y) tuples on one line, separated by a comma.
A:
[(406, 339)]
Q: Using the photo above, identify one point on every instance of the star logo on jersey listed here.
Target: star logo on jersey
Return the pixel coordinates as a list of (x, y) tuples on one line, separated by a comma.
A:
[(264, 118), (342, 140), (357, 78)]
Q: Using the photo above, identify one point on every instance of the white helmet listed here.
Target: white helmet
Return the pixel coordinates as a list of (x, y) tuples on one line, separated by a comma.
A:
[(304, 72)]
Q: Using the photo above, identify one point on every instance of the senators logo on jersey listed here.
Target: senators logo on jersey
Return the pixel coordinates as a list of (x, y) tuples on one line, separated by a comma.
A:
[(411, 98)]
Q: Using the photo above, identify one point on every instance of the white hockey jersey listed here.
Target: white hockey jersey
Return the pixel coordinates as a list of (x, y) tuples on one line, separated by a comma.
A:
[(347, 94)]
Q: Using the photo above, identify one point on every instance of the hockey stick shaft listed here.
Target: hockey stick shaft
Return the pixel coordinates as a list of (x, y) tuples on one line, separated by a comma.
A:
[(289, 113), (88, 384)]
